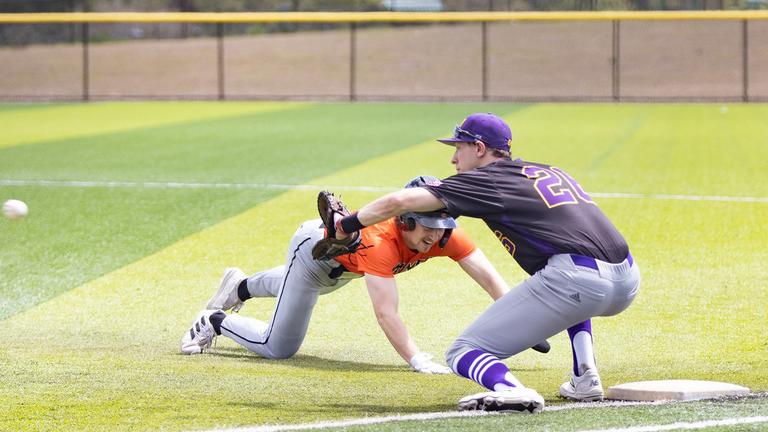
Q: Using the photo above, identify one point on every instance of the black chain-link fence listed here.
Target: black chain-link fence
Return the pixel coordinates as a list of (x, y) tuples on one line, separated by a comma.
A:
[(699, 60)]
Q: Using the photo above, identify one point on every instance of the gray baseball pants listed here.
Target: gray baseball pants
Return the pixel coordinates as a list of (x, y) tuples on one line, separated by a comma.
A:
[(297, 285), (560, 295)]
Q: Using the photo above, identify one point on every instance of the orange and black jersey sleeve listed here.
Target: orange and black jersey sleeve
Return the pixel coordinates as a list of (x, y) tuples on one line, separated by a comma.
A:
[(535, 210), (383, 252)]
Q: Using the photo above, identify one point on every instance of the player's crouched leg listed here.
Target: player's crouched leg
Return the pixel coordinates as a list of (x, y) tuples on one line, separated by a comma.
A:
[(506, 392), (480, 366), (453, 351), (283, 352), (261, 338)]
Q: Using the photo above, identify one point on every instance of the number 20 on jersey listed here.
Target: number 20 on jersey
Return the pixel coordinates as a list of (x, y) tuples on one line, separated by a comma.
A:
[(555, 186)]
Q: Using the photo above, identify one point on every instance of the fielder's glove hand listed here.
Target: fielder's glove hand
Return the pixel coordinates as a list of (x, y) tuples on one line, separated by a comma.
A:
[(328, 248), (422, 362)]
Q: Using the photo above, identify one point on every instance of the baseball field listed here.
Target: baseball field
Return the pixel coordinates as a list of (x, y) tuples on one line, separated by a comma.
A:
[(135, 209)]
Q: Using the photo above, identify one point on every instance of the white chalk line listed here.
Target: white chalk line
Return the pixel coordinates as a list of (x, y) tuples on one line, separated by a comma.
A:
[(460, 414), (180, 185), (687, 426), (354, 422), (278, 186)]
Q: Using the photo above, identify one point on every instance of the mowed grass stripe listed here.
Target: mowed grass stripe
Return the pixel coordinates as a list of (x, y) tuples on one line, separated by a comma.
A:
[(681, 149), (447, 417), (156, 298), (268, 147), (56, 122), (431, 416), (116, 337), (340, 188), (134, 300), (75, 235), (706, 424), (557, 416)]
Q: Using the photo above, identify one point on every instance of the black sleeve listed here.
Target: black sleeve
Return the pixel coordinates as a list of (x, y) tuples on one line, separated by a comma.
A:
[(468, 194)]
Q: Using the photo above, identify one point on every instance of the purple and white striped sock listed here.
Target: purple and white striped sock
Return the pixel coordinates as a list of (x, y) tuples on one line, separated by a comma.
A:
[(581, 346), (485, 369)]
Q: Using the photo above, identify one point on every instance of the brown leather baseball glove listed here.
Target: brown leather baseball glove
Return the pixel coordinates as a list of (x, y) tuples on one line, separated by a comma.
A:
[(330, 247)]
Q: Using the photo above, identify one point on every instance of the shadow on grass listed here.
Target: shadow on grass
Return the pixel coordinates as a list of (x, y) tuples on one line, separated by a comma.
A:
[(349, 409), (320, 363), (385, 409), (307, 361)]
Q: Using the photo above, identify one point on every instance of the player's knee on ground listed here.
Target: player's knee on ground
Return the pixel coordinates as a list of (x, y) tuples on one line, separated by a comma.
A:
[(283, 351), (273, 350)]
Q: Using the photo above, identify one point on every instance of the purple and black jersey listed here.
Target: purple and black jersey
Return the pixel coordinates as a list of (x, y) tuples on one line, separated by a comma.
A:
[(535, 210)]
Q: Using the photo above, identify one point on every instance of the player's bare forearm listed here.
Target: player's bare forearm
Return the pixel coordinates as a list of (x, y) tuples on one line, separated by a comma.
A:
[(477, 266), (413, 199), (383, 293), (395, 330)]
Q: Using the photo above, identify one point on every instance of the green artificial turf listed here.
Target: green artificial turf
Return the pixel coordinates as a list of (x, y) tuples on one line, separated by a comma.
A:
[(600, 417), (75, 234), (100, 283)]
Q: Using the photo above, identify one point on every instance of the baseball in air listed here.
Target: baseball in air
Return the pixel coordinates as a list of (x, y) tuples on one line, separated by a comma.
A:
[(15, 209)]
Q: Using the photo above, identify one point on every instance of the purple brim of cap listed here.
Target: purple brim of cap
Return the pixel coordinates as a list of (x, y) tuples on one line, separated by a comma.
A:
[(451, 141)]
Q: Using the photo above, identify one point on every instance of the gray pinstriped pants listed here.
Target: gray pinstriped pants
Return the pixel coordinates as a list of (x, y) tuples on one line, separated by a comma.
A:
[(297, 285)]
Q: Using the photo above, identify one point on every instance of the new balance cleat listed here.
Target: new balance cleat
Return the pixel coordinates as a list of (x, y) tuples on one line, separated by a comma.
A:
[(585, 388), (226, 297), (517, 399), (200, 336)]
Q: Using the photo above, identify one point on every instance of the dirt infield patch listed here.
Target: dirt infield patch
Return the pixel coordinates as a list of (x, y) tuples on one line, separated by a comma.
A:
[(540, 61)]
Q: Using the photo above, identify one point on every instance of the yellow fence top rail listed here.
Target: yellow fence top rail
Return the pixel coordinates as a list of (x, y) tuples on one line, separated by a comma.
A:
[(367, 17)]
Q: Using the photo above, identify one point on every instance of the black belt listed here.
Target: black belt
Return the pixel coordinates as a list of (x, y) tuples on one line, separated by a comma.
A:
[(337, 272), (589, 262)]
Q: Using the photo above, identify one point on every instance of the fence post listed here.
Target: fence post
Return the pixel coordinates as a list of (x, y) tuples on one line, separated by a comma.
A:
[(86, 63), (484, 50), (220, 59), (72, 26), (744, 61), (352, 61), (615, 61)]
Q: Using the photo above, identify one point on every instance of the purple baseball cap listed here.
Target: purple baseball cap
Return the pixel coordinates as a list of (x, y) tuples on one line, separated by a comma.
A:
[(486, 127)]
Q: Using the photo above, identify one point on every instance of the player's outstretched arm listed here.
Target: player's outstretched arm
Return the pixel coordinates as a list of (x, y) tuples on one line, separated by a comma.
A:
[(384, 297), (477, 266), (412, 199), (415, 199)]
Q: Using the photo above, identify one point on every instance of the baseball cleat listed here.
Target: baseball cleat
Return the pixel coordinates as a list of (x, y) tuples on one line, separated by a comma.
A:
[(584, 388), (226, 297), (542, 347), (516, 399), (200, 336)]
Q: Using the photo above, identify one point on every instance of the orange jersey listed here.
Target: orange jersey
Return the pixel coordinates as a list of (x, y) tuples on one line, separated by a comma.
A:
[(382, 251)]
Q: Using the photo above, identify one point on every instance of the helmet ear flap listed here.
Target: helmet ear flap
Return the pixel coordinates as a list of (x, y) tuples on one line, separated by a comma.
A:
[(406, 223), (445, 238)]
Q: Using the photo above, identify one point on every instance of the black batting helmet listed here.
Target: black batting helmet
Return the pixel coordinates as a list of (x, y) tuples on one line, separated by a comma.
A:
[(436, 220)]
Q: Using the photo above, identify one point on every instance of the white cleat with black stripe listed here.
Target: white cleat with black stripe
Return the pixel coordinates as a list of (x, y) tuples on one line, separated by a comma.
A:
[(226, 296), (200, 336), (517, 399)]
